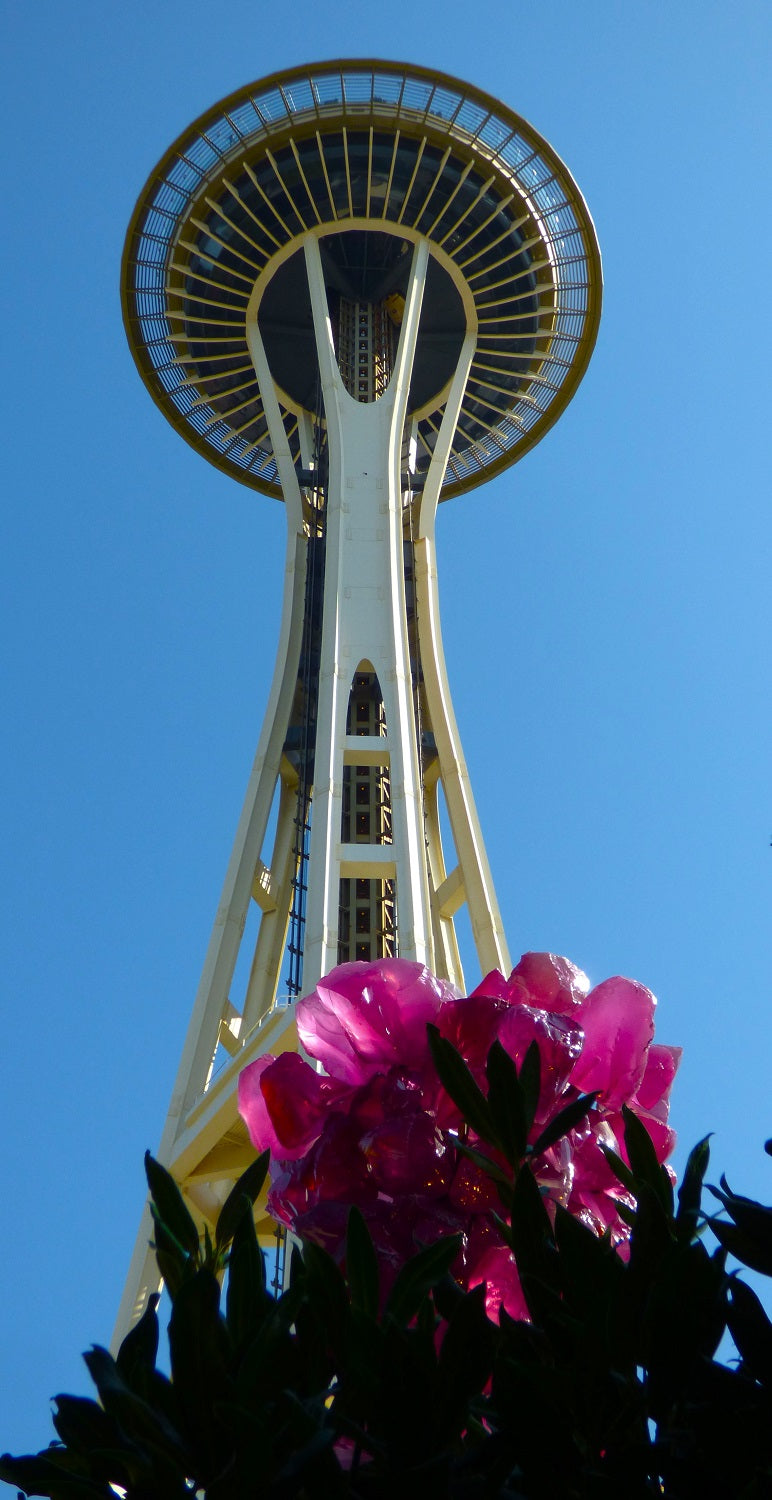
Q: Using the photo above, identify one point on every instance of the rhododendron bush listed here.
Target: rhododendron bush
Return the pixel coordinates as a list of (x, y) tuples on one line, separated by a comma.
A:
[(529, 1119), (379, 1130)]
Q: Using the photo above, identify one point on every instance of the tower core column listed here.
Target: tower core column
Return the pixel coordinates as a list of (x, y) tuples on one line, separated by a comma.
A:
[(365, 628)]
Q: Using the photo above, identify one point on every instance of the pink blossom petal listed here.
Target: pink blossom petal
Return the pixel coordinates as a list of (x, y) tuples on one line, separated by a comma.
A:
[(487, 1259), (298, 1101), (600, 1213), (472, 1026), (252, 1106), (654, 1089), (335, 1032), (326, 1224), (338, 1165), (433, 1219), (618, 1021), (368, 1017), (554, 1171), (386, 1096), (592, 1172), (662, 1137), (549, 982), (400, 1228), (334, 1170), (560, 1044), (408, 1155), (344, 1449), (472, 1190), (493, 987), (285, 1103)]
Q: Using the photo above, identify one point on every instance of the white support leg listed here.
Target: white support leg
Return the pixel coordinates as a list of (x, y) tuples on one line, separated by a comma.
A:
[(212, 999)]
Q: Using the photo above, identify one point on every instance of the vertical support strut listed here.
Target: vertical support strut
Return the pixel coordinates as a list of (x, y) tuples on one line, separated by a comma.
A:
[(212, 1006)]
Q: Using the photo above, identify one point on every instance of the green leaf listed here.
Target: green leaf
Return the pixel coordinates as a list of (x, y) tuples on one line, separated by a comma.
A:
[(359, 1373), (198, 1349), (681, 1302), (651, 1237), (752, 1331), (752, 1217), (83, 1425), (563, 1122), (327, 1290), (620, 1168), (457, 1081), (249, 1187), (105, 1374), (417, 1277), (246, 1298), (44, 1475), (643, 1160), (506, 1103), (744, 1247), (591, 1272), (491, 1168), (170, 1206), (139, 1350), (361, 1265), (313, 1439), (174, 1263), (531, 1238), (530, 1083), (690, 1191), (466, 1355), (270, 1360), (140, 1420), (626, 1213), (296, 1266)]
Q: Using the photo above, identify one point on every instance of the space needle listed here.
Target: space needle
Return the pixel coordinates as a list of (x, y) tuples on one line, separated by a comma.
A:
[(362, 288)]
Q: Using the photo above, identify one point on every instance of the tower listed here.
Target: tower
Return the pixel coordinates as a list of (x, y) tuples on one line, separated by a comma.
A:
[(362, 288)]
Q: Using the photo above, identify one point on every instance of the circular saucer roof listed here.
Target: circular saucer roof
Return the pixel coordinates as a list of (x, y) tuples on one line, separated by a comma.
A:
[(369, 157)]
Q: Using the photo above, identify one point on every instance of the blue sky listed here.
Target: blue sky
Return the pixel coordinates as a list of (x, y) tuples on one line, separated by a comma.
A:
[(606, 603)]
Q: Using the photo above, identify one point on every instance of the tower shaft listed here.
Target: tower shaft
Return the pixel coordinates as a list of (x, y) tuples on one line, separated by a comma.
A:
[(359, 288), (360, 650)]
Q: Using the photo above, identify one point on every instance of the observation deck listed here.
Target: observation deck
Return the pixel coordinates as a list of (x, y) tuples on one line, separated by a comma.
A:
[(368, 158)]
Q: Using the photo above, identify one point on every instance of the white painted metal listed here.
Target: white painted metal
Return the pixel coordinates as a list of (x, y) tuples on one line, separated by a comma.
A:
[(212, 1003), (364, 619)]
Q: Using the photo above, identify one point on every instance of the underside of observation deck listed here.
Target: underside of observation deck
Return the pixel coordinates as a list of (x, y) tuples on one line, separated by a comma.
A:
[(368, 158)]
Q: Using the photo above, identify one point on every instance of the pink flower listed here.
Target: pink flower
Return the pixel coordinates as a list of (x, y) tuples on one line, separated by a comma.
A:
[(365, 1017), (378, 1130)]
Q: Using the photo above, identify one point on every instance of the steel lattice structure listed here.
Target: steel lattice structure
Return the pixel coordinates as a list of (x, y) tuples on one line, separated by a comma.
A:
[(362, 288)]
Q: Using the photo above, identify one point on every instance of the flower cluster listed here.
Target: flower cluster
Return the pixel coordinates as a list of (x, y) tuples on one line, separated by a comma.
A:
[(378, 1130)]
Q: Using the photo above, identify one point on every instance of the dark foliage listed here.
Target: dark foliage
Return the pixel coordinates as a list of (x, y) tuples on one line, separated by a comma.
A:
[(612, 1390)]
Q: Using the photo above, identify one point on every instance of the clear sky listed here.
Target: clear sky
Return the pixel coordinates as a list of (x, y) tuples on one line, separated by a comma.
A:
[(606, 603)]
